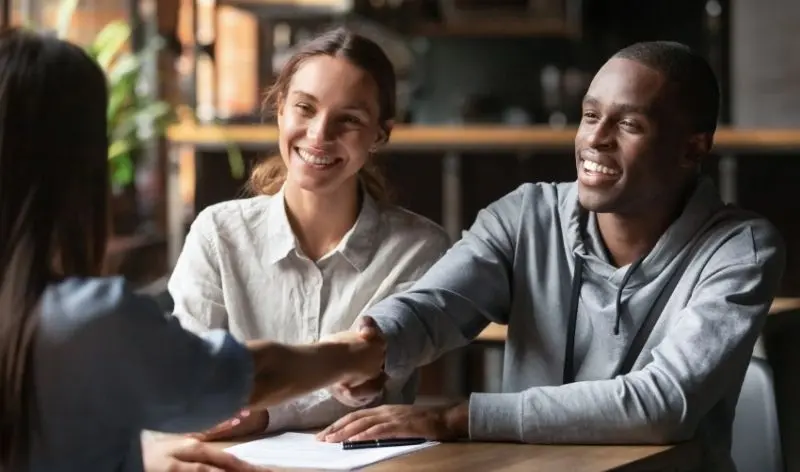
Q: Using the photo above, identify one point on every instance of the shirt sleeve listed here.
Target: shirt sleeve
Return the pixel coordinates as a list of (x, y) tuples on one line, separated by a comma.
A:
[(114, 352), (700, 359), (195, 284)]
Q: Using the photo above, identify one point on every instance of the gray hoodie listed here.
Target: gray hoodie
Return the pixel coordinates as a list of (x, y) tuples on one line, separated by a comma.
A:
[(661, 346)]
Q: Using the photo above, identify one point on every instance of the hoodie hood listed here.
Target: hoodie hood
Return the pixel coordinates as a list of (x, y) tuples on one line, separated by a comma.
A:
[(593, 267)]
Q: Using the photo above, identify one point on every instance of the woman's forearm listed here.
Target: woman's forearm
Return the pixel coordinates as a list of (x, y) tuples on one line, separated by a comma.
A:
[(282, 372)]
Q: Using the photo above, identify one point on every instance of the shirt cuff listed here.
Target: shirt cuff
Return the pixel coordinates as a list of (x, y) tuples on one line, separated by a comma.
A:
[(495, 417), (280, 417), (398, 362)]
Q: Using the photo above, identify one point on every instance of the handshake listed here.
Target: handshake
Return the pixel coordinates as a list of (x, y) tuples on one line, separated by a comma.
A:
[(363, 379), (349, 364)]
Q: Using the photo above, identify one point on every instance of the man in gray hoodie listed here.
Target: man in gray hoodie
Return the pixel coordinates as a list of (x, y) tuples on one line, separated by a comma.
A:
[(633, 297)]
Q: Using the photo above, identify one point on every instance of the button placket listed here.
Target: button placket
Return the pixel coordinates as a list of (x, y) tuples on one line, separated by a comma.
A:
[(313, 298)]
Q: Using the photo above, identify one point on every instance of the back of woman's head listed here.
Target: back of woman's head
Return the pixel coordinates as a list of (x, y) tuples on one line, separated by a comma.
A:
[(365, 54), (53, 198)]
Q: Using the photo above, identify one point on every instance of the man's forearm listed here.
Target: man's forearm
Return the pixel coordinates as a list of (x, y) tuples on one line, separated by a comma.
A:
[(631, 409)]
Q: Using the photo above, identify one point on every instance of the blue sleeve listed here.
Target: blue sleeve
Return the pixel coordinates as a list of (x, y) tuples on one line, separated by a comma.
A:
[(117, 350)]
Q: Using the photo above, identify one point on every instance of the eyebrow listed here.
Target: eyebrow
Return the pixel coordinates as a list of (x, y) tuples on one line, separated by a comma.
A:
[(358, 106), (619, 107)]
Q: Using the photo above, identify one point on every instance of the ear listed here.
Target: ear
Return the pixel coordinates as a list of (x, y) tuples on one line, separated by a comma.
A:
[(384, 132), (698, 147)]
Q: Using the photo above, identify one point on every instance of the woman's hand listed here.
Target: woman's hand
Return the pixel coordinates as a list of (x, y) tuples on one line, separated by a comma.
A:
[(182, 454), (246, 423)]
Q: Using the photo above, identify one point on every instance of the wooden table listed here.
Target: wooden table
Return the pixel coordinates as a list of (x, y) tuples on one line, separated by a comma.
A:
[(496, 333), (483, 457)]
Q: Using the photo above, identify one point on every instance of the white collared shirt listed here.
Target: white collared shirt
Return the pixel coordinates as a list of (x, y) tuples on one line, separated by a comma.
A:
[(242, 270)]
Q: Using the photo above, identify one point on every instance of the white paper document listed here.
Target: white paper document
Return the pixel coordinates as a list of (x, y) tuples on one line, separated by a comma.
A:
[(305, 451)]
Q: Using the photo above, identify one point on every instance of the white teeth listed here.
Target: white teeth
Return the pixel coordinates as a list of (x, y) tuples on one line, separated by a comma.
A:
[(316, 160), (595, 167)]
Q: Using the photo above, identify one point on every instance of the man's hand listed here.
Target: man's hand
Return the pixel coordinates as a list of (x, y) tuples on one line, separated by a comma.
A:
[(441, 423), (356, 395), (364, 357), (245, 423), (182, 454)]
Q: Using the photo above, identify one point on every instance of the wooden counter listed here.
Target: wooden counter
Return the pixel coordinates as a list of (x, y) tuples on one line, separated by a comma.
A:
[(496, 333), (472, 138)]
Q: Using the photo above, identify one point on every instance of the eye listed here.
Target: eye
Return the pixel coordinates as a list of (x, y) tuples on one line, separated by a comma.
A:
[(630, 125), (304, 108), (590, 116), (351, 120)]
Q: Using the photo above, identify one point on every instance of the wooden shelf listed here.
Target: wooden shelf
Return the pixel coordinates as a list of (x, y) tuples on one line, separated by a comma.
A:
[(292, 8), (495, 333), (521, 27), (475, 138)]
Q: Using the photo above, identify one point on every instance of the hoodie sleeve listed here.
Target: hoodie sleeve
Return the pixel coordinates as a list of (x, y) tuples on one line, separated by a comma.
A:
[(458, 297), (701, 358)]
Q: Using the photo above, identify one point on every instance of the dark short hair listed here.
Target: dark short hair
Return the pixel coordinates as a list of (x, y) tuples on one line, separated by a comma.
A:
[(691, 74)]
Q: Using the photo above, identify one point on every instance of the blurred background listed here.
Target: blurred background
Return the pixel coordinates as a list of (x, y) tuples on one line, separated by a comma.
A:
[(489, 98)]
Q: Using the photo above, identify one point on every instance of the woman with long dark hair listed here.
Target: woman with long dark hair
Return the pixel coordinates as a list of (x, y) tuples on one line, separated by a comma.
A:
[(86, 364)]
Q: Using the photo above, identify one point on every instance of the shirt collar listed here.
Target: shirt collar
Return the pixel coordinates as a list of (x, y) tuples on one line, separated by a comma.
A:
[(280, 237), (357, 246)]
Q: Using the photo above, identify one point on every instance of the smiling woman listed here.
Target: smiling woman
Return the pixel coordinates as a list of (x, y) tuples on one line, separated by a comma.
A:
[(319, 242), (338, 66)]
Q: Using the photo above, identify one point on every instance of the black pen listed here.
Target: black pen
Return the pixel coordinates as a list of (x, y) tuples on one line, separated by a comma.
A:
[(391, 442)]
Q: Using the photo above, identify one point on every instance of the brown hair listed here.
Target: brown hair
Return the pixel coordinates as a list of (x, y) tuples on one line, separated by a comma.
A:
[(268, 176), (53, 201)]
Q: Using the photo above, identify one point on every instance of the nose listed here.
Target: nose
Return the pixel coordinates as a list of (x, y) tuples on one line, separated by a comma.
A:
[(600, 136), (320, 130)]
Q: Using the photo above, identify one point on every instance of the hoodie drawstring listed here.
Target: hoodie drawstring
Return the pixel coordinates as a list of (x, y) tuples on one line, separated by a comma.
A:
[(569, 369), (625, 280), (577, 281)]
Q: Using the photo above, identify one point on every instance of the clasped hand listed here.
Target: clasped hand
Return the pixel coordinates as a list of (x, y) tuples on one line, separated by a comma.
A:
[(356, 358), (366, 382)]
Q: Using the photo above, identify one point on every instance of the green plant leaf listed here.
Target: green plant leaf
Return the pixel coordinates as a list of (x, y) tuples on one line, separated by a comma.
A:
[(109, 42), (125, 67), (235, 159), (122, 170), (119, 99), (121, 147), (124, 125), (132, 117)]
